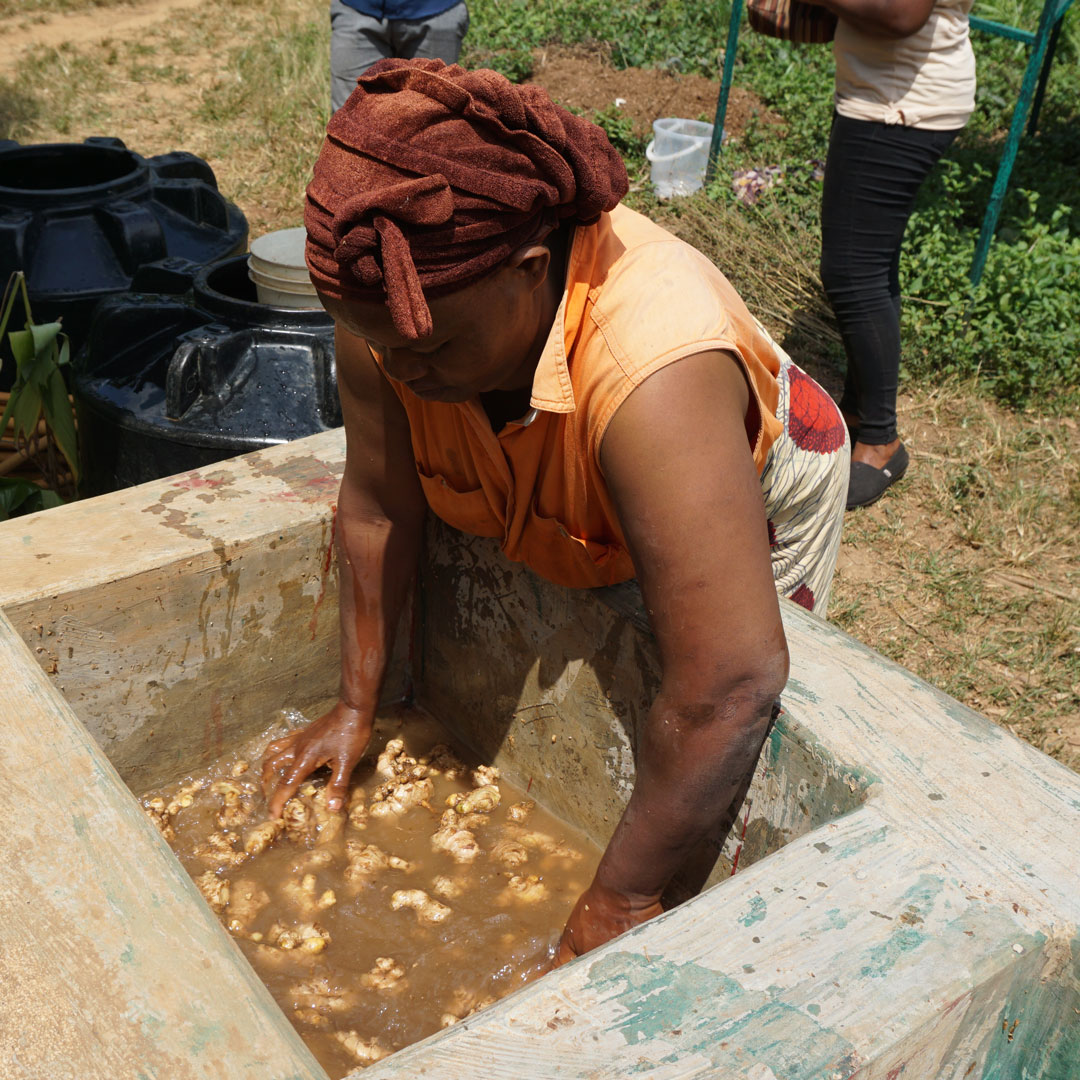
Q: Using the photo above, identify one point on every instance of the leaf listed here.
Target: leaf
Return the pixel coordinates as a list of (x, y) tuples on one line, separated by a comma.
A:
[(59, 418), (45, 335), (36, 372), (27, 402), (22, 348), (50, 499), (8, 411), (16, 493), (11, 291)]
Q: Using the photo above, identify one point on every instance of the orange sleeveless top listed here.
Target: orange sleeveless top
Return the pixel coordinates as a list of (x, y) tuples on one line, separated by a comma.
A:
[(636, 299)]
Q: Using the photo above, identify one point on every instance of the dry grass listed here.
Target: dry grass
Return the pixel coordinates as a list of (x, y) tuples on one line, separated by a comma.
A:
[(770, 256), (9, 8), (966, 573)]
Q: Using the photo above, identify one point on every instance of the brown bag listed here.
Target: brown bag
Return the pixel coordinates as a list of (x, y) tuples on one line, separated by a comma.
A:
[(791, 20)]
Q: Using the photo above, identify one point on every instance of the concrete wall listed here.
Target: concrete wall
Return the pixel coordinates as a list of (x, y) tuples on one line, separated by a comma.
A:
[(906, 902)]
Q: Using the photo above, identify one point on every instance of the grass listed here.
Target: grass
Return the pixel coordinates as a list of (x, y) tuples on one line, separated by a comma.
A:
[(62, 86), (976, 585), (280, 85), (19, 110), (967, 573), (9, 8)]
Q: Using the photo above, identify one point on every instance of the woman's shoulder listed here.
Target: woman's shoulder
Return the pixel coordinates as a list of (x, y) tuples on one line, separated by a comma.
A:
[(654, 290)]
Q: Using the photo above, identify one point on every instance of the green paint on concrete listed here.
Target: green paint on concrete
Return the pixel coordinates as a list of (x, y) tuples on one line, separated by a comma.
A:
[(813, 1010), (972, 724), (1037, 1034), (923, 893), (885, 956), (204, 1034), (80, 825), (696, 1009), (837, 919), (856, 845), (915, 904), (128, 955), (803, 691), (537, 596), (756, 911), (660, 996), (151, 1026), (776, 742), (797, 735)]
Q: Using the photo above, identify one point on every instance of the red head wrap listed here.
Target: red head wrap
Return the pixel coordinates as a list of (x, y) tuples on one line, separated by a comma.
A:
[(431, 176)]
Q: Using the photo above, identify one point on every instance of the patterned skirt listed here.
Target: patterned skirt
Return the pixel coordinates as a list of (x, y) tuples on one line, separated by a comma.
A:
[(805, 488)]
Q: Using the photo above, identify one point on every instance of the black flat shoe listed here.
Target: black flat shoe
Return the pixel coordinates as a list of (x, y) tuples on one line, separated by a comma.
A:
[(868, 484)]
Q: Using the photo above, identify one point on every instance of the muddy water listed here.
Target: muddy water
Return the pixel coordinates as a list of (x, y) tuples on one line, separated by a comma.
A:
[(378, 927)]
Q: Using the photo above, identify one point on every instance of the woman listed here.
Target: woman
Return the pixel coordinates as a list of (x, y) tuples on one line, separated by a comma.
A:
[(905, 87), (540, 365)]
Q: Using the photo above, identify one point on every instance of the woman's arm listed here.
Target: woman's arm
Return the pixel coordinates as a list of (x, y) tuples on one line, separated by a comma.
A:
[(678, 464), (881, 18), (379, 522)]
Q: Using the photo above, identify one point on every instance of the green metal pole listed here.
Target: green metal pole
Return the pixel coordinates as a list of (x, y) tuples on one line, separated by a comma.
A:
[(725, 87), (1050, 14), (1044, 76)]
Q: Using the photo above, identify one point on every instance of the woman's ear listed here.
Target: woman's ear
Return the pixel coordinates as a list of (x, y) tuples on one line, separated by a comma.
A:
[(533, 260)]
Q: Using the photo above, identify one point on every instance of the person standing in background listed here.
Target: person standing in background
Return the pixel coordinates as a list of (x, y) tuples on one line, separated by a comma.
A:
[(905, 87), (364, 31)]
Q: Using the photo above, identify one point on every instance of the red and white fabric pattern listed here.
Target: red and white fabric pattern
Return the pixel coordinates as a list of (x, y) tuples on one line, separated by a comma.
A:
[(805, 488)]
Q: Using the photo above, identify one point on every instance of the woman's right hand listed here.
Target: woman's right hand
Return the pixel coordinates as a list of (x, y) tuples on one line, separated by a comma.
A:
[(338, 739)]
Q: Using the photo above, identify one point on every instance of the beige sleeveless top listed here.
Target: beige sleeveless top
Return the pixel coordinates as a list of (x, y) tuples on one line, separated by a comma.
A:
[(926, 80)]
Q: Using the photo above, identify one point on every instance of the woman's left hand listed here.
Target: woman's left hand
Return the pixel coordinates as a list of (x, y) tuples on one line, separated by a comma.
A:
[(599, 915)]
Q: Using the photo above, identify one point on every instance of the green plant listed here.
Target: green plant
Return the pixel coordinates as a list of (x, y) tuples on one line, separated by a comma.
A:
[(1020, 329), (620, 131), (39, 395), (19, 496)]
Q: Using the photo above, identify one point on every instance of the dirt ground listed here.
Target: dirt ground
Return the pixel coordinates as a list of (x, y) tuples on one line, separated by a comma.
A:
[(954, 575), (583, 80)]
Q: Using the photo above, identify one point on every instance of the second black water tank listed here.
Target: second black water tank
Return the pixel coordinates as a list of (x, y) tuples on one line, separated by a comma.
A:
[(192, 369)]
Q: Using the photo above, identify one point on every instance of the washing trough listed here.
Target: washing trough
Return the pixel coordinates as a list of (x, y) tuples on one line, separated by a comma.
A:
[(905, 902)]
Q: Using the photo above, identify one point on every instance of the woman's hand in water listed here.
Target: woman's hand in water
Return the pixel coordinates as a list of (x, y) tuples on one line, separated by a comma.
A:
[(599, 915), (337, 739)]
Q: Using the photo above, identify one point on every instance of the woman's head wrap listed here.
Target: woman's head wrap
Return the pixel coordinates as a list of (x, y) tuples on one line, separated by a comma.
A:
[(431, 176)]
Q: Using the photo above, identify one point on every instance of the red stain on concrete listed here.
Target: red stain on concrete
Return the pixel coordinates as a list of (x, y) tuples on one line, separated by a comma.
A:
[(193, 481)]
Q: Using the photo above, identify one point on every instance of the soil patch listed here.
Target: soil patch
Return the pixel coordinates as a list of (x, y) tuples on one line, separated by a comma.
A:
[(586, 82), (50, 32)]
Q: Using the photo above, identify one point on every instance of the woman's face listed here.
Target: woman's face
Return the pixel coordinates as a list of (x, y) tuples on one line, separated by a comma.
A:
[(487, 336)]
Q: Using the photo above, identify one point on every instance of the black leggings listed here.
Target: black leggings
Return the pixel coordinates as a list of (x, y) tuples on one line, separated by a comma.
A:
[(872, 176)]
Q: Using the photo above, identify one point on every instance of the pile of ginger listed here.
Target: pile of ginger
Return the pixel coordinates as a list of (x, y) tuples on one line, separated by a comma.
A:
[(331, 860)]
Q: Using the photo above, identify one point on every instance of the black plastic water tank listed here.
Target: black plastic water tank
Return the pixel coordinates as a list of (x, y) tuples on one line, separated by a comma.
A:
[(189, 369), (81, 218)]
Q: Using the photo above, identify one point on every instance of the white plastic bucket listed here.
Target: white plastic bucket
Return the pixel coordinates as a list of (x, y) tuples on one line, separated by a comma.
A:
[(276, 266), (678, 155)]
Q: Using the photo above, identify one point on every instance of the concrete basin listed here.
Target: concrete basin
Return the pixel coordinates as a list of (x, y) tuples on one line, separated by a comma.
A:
[(907, 885)]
